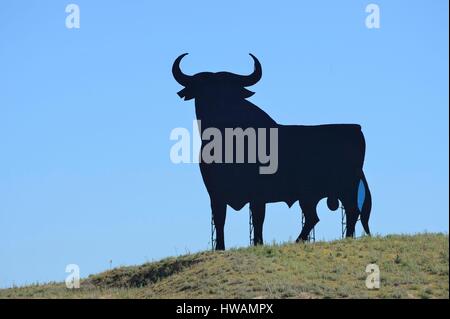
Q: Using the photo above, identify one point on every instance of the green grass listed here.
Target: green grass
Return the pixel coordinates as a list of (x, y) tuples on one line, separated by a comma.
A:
[(411, 266)]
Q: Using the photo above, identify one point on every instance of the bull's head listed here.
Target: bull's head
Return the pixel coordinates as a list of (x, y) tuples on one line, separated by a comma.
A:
[(215, 85)]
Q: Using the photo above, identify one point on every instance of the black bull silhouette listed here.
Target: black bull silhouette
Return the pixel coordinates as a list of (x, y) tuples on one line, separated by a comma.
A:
[(314, 162)]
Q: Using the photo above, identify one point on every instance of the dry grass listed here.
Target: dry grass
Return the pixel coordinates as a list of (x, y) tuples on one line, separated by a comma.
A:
[(411, 266)]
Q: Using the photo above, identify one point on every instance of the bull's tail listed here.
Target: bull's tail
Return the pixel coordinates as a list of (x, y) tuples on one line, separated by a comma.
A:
[(364, 203)]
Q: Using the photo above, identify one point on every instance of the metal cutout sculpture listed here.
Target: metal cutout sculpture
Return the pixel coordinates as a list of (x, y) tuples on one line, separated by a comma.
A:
[(313, 162)]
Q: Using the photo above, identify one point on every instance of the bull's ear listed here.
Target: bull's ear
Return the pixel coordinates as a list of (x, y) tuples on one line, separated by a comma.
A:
[(244, 93), (186, 94)]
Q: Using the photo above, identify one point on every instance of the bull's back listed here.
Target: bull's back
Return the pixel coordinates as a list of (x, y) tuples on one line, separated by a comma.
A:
[(320, 155), (321, 143), (310, 159)]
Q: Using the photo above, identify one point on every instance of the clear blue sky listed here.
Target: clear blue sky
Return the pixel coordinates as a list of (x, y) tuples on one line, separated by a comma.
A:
[(85, 118)]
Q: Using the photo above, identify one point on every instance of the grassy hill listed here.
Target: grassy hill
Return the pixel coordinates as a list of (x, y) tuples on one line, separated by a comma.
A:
[(414, 266)]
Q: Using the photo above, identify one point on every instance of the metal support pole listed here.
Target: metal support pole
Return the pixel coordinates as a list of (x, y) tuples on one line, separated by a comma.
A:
[(312, 233), (213, 233), (343, 222), (250, 226)]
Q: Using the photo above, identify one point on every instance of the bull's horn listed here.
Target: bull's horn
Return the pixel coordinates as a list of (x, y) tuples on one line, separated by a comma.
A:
[(179, 76), (249, 80)]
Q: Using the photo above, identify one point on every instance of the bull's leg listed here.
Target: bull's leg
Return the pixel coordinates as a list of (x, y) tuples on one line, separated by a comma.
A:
[(351, 213), (351, 216), (219, 211), (258, 215), (311, 219)]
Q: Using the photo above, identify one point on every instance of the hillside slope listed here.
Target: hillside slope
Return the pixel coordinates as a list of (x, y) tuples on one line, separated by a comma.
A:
[(413, 266)]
